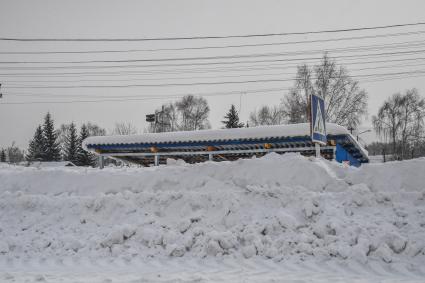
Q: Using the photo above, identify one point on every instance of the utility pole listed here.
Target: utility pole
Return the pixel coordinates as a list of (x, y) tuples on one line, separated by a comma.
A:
[(162, 119)]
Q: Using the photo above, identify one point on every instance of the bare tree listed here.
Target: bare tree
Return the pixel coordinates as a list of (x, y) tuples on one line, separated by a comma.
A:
[(62, 134), (401, 119), (267, 116), (94, 129), (15, 154), (124, 129), (187, 114), (166, 119), (194, 113), (346, 102)]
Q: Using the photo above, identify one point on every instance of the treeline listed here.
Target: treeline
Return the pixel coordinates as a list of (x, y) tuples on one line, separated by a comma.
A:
[(189, 113), (49, 144), (346, 102), (399, 122), (12, 154)]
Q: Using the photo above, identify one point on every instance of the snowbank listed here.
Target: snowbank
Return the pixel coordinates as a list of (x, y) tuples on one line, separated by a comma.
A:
[(286, 208)]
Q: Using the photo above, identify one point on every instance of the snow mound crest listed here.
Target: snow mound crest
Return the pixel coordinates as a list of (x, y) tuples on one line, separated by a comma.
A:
[(280, 207)]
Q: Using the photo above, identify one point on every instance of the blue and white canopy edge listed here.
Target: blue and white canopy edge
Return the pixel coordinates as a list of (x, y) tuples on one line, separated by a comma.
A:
[(213, 137)]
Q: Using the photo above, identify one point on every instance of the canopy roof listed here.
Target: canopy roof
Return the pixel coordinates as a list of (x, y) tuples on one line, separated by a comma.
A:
[(259, 132), (236, 141)]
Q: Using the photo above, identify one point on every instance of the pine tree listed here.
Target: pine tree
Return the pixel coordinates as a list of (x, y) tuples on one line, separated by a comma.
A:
[(71, 145), (50, 137), (2, 155), (37, 150), (232, 119), (85, 158)]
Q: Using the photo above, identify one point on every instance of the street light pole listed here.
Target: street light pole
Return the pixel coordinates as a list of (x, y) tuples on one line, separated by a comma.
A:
[(363, 133)]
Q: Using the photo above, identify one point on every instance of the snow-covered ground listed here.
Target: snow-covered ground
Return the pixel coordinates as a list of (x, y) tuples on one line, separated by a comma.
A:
[(273, 219)]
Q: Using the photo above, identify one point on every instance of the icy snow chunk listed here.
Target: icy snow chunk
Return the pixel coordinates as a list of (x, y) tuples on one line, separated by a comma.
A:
[(72, 244), (287, 221), (176, 162), (249, 251), (184, 225), (395, 242), (148, 236), (115, 237), (118, 236), (226, 240), (384, 253), (39, 278), (213, 248), (360, 251), (361, 194), (4, 247), (310, 208), (176, 251)]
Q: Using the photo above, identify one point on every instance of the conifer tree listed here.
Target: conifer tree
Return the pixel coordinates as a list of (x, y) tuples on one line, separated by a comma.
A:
[(85, 158), (71, 145), (2, 155), (52, 148), (232, 119), (36, 150)]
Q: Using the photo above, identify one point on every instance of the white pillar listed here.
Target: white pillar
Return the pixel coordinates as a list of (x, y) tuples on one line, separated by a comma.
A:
[(156, 160), (101, 161), (317, 147), (210, 157)]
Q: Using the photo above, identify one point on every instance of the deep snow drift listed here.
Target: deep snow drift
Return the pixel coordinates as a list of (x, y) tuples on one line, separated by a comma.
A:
[(287, 209)]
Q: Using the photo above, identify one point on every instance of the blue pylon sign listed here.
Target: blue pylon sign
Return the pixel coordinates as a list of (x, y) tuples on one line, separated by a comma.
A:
[(318, 120)]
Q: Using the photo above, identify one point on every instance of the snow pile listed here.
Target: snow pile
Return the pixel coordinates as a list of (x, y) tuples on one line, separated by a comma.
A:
[(286, 208)]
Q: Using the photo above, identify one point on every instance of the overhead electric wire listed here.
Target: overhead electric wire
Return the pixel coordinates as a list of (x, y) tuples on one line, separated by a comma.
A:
[(189, 84), (178, 96), (197, 70), (163, 97), (210, 37), (12, 83), (211, 47), (393, 46), (239, 56)]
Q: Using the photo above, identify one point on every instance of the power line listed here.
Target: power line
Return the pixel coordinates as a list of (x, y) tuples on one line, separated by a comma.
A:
[(255, 55), (396, 46), (159, 79), (211, 47), (209, 37), (156, 85), (7, 82), (196, 83), (181, 95), (196, 70), (154, 98)]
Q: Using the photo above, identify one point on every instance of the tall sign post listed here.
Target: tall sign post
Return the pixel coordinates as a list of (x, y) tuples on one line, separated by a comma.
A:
[(318, 122)]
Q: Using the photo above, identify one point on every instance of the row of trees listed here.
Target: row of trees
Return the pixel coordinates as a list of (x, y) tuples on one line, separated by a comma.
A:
[(12, 154), (400, 123), (346, 102), (49, 144), (190, 113)]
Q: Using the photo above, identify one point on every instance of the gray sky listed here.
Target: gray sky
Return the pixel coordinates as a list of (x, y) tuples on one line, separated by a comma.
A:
[(141, 19)]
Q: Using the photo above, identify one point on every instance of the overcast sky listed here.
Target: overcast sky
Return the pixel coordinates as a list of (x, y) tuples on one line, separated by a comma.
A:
[(143, 19)]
